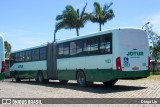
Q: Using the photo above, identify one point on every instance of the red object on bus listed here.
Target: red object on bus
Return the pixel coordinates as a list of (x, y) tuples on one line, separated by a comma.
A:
[(3, 67), (118, 64)]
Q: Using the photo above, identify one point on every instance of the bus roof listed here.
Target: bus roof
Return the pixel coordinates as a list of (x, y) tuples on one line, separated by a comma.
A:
[(96, 33), (43, 45), (79, 37)]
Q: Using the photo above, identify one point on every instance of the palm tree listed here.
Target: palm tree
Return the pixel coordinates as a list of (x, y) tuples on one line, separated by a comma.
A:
[(102, 15), (7, 49), (71, 19)]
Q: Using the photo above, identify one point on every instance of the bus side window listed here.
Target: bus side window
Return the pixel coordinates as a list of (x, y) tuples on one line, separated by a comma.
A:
[(79, 48), (87, 47), (94, 45), (12, 59), (60, 50), (28, 55), (22, 57), (72, 48), (35, 55), (105, 44), (66, 49), (17, 57), (43, 53)]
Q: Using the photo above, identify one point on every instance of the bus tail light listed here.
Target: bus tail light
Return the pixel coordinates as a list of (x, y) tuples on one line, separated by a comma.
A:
[(149, 64), (3, 67), (118, 64)]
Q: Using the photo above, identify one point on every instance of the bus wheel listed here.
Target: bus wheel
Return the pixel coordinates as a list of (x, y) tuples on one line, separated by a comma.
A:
[(110, 83), (40, 77), (46, 80), (63, 81), (81, 78), (16, 78)]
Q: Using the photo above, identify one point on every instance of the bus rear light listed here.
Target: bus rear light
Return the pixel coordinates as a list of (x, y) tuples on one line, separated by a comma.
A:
[(3, 67), (118, 64), (149, 64)]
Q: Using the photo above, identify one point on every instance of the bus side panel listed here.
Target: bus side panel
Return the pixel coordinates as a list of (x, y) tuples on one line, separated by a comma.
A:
[(67, 67), (62, 69), (115, 47), (2, 57), (99, 68), (29, 69)]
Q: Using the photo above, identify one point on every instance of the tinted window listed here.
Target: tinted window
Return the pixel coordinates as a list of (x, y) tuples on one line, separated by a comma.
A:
[(94, 45), (35, 54), (43, 53), (28, 55), (91, 46), (98, 45), (17, 57), (87, 47), (12, 59), (72, 48), (66, 49), (79, 47), (60, 50), (105, 44), (22, 56)]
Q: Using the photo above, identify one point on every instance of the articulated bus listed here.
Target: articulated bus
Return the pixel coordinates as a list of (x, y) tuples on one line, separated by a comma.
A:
[(2, 58), (105, 56)]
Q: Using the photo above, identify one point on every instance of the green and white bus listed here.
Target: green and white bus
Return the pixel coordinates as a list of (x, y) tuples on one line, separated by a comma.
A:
[(105, 57), (2, 58)]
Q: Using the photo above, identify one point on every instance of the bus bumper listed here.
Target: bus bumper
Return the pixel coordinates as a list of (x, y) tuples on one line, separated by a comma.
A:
[(131, 74), (108, 75), (2, 76)]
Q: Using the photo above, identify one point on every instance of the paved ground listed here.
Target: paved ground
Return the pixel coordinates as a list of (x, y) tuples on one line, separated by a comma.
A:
[(123, 89)]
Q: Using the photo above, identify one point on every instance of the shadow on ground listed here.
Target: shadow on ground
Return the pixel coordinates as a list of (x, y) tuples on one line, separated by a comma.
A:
[(95, 88)]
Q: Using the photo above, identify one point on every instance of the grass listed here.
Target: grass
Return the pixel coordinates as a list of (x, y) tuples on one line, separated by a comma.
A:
[(154, 76)]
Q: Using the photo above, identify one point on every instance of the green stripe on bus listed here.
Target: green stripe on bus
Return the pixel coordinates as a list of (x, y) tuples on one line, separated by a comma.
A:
[(2, 76), (96, 75), (102, 75), (28, 74)]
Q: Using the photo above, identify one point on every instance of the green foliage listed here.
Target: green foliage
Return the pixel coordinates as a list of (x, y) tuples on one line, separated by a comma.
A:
[(72, 19), (155, 41), (7, 49), (155, 73), (102, 14)]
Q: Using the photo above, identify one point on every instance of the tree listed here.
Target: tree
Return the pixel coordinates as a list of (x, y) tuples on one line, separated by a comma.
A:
[(71, 19), (102, 15), (155, 41), (7, 49)]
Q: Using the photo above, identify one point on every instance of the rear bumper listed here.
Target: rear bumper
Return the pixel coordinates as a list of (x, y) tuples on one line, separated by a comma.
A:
[(131, 74), (2, 76)]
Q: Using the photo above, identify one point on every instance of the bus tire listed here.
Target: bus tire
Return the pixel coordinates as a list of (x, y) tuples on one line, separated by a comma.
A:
[(46, 81), (89, 83), (16, 77), (18, 80), (81, 79), (110, 83), (40, 77), (63, 81)]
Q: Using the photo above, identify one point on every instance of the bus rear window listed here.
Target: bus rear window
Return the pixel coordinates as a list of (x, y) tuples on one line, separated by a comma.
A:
[(133, 39)]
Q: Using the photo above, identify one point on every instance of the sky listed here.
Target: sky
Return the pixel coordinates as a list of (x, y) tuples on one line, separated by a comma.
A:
[(28, 23)]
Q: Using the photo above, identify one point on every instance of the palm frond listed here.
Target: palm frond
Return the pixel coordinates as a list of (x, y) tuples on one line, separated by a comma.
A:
[(97, 9), (106, 7), (109, 15), (83, 11), (59, 17)]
